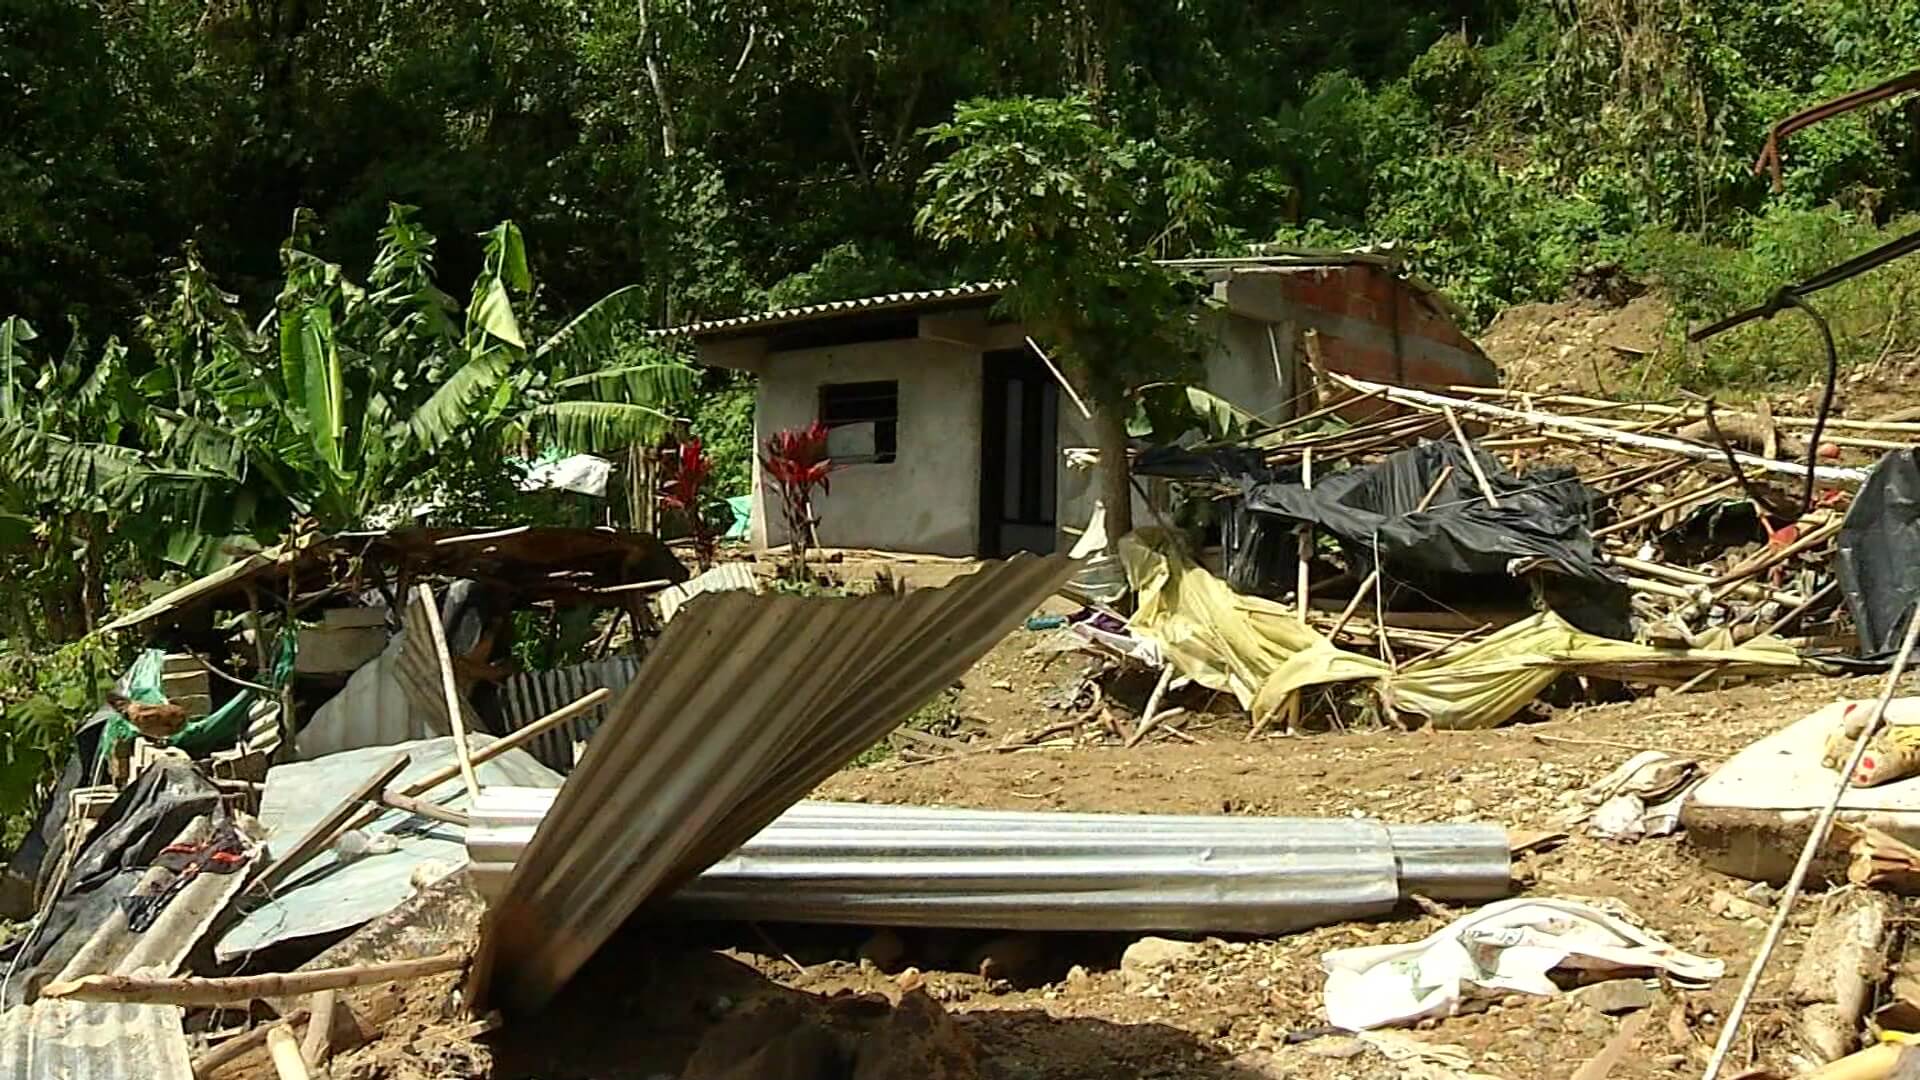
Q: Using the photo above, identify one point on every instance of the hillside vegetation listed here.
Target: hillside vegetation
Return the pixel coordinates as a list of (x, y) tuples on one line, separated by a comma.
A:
[(178, 382)]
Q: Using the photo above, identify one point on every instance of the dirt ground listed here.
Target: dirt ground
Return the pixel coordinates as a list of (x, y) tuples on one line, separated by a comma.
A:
[(661, 1002)]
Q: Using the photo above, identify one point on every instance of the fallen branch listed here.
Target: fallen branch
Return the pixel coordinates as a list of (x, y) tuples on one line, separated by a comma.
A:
[(1148, 715), (195, 990)]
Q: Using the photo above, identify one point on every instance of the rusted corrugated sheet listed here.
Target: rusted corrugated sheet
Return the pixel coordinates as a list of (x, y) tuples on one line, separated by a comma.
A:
[(746, 703), (531, 695)]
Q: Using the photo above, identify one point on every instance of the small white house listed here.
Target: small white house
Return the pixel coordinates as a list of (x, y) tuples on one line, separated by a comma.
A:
[(950, 429)]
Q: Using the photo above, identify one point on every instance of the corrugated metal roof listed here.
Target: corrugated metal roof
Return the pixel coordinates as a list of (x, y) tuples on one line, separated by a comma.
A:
[(530, 695), (722, 578), (78, 1040), (1272, 259), (75, 1040), (984, 290), (745, 704)]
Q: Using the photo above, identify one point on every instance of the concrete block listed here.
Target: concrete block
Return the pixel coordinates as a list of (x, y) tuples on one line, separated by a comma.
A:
[(1752, 816)]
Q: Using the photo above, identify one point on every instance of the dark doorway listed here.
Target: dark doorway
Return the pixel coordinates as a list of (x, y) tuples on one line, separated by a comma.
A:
[(1019, 455)]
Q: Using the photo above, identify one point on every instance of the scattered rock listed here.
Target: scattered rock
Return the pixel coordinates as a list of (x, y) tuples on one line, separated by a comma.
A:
[(1151, 954), (1614, 996), (1339, 1047), (1465, 806)]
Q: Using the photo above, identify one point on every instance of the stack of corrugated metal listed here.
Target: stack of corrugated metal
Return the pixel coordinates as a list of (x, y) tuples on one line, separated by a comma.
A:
[(743, 706), (920, 866)]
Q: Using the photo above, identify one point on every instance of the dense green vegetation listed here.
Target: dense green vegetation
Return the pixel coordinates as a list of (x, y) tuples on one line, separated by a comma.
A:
[(176, 383)]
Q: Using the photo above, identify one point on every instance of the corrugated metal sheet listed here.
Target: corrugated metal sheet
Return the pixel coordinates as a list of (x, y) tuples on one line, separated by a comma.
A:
[(744, 705), (727, 577), (533, 694), (418, 668), (76, 1040), (934, 866), (889, 301), (329, 895)]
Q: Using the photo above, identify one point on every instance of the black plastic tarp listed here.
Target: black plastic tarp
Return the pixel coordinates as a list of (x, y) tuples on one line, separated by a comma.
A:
[(1879, 559), (1543, 514)]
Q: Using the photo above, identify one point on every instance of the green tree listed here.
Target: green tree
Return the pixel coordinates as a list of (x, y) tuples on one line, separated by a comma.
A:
[(1073, 215)]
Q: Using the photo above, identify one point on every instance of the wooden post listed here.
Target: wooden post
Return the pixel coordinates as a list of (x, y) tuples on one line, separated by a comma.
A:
[(285, 1051), (438, 636), (318, 1043)]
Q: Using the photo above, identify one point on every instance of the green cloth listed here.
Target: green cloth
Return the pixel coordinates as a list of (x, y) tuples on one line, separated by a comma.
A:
[(217, 730), (742, 507)]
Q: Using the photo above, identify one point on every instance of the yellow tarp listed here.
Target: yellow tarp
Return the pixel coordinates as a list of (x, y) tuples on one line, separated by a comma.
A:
[(1259, 652)]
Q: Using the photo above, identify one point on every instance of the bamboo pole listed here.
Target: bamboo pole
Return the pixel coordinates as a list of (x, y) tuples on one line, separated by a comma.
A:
[(1671, 504), (510, 742), (1681, 576), (1435, 402), (422, 808), (196, 990), (1473, 459), (1841, 423), (492, 750), (318, 1043), (1724, 586), (455, 717)]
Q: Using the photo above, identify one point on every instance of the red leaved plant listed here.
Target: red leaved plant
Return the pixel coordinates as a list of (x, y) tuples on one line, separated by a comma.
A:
[(687, 469), (797, 463)]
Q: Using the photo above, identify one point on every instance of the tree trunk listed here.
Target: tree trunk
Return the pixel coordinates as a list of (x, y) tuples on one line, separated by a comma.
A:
[(1116, 472)]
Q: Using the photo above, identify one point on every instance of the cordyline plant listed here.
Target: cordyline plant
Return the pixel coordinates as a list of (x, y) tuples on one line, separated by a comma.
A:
[(688, 466), (796, 461)]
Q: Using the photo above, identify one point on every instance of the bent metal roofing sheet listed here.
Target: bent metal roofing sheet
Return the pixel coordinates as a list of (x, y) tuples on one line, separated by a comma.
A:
[(746, 703)]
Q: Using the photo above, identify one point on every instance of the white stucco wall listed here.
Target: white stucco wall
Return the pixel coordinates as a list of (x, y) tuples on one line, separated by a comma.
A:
[(1238, 362), (928, 498)]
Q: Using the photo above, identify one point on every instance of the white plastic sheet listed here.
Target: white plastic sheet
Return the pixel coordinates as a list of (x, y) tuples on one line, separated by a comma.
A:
[(1504, 948)]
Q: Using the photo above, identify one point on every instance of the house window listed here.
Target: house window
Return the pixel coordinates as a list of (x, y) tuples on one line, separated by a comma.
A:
[(861, 420)]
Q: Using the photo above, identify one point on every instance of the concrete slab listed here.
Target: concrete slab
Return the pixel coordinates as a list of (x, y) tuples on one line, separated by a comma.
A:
[(1752, 816)]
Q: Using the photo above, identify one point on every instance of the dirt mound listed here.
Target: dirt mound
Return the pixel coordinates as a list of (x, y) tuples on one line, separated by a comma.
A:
[(1586, 346)]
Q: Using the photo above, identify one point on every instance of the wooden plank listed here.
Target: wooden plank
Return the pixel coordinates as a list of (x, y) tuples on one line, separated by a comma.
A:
[(337, 821)]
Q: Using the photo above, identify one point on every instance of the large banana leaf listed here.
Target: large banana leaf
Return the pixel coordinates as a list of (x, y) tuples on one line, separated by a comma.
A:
[(15, 332), (659, 383), (592, 337), (451, 405), (598, 427)]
